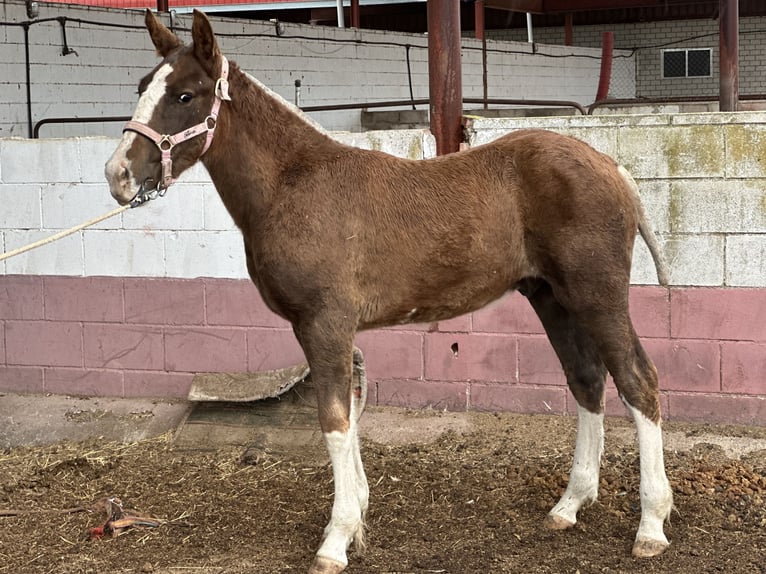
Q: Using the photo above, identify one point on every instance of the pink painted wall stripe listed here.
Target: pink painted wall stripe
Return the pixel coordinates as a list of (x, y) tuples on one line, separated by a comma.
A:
[(109, 336)]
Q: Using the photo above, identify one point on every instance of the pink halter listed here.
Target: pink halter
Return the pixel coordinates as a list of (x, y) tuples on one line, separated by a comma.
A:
[(166, 142)]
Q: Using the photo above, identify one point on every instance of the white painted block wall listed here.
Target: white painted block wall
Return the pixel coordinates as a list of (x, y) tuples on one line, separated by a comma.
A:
[(704, 189), (334, 65)]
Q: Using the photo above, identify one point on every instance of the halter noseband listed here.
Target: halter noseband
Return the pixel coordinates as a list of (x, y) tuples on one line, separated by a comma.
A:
[(166, 142)]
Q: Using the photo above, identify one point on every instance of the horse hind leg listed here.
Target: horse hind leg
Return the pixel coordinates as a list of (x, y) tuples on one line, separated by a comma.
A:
[(330, 361), (636, 380), (638, 390), (586, 376)]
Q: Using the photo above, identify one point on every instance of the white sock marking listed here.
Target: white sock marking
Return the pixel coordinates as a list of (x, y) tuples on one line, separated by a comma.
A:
[(583, 478), (656, 495)]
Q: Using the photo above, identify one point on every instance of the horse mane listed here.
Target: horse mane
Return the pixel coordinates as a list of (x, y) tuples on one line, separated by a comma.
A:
[(252, 99)]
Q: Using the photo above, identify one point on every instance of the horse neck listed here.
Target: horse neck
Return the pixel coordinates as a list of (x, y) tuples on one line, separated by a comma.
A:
[(259, 137)]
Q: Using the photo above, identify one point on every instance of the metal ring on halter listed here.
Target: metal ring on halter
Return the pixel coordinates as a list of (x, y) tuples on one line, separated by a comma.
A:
[(165, 140), (210, 122)]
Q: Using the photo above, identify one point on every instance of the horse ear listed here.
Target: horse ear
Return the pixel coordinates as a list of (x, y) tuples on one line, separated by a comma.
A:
[(205, 45), (164, 40)]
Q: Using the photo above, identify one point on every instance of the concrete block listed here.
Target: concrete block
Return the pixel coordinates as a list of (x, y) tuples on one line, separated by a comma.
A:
[(65, 205), (655, 197), (157, 384), (510, 314), (717, 206), (216, 217), (123, 347), (400, 143), (46, 161), (460, 357), (272, 349), (695, 259), (391, 354), (207, 254), (62, 257), (686, 365), (53, 343), (746, 260), (650, 311), (237, 302), (83, 382), (436, 395), (205, 349), (123, 253), (643, 270), (677, 152), (517, 398), (745, 143), (21, 380), (718, 314), (21, 297), (94, 153), (160, 301), (743, 368), (538, 363), (83, 299), (459, 324), (717, 409), (25, 210), (181, 208)]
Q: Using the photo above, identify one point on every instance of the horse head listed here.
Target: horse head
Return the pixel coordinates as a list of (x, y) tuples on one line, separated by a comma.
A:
[(177, 110)]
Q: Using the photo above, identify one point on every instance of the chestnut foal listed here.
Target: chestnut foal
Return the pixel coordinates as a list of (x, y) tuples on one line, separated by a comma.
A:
[(338, 239)]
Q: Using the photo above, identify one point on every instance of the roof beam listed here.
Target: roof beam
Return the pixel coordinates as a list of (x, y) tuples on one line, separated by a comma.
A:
[(562, 6)]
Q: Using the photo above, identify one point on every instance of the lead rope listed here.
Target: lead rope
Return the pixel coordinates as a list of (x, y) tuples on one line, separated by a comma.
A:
[(62, 234)]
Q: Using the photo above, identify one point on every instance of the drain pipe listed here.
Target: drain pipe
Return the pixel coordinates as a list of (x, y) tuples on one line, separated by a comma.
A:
[(530, 35), (341, 23), (25, 25), (607, 52)]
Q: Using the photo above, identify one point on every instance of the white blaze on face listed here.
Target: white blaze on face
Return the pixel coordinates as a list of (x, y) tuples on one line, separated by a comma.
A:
[(118, 163)]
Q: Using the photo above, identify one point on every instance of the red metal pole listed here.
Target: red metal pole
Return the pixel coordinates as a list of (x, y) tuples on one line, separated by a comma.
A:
[(729, 61), (607, 48), (478, 17), (445, 74), (355, 13), (568, 29)]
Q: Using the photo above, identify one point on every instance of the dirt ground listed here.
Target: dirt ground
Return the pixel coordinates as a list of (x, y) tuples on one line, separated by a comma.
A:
[(448, 494)]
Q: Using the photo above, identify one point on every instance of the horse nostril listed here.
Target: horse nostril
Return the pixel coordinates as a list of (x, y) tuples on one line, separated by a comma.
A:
[(125, 174)]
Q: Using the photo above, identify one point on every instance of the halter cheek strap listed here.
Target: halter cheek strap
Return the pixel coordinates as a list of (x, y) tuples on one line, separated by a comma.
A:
[(166, 142)]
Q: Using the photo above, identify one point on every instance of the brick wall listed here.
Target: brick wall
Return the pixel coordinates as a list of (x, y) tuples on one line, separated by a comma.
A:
[(646, 39), (334, 65), (137, 306)]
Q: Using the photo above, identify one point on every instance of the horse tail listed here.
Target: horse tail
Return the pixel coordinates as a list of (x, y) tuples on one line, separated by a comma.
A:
[(646, 231)]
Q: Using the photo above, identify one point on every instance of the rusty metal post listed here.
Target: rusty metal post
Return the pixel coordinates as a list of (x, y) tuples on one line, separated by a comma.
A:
[(163, 5), (445, 74), (568, 29), (729, 51), (355, 13), (478, 18)]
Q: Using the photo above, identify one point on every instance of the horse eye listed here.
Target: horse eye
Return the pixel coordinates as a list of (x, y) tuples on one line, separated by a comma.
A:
[(185, 98)]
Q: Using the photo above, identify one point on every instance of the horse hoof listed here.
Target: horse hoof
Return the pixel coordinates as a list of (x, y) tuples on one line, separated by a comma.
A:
[(556, 522), (322, 565), (646, 548)]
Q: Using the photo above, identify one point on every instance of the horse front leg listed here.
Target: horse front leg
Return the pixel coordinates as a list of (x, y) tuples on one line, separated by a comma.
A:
[(331, 372)]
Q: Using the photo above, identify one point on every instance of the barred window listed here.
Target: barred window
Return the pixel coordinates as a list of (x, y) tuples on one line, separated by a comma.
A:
[(687, 63)]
